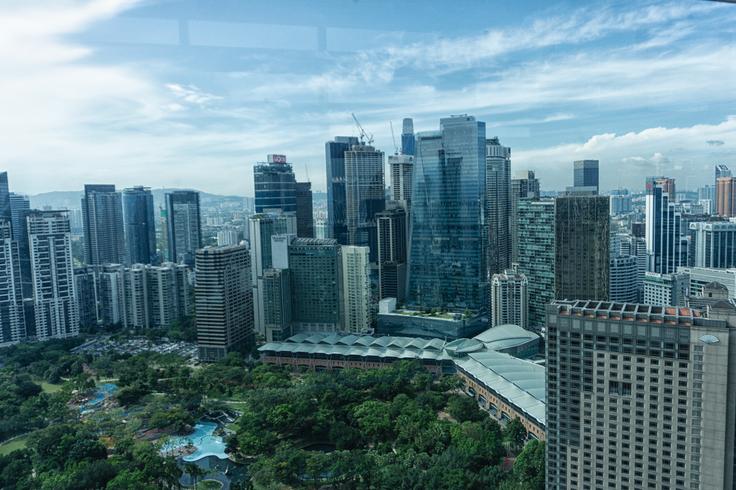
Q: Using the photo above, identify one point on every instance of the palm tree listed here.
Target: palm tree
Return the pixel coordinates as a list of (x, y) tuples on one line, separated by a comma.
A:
[(194, 472)]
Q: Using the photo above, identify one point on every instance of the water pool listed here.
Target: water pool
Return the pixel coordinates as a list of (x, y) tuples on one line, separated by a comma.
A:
[(104, 391), (203, 439)]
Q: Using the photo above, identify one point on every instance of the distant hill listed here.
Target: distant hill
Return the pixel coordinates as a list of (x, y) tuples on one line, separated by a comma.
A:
[(72, 199)]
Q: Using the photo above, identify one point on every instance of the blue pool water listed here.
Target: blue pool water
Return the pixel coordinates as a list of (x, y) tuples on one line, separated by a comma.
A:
[(203, 439), (104, 391)]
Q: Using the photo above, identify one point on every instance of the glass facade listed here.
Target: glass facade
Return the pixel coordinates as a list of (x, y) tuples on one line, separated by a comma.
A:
[(447, 264), (140, 230), (364, 195), (336, 200), (184, 227), (275, 186)]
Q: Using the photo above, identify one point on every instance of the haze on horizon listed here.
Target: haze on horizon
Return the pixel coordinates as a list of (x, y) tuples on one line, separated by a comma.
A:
[(182, 93)]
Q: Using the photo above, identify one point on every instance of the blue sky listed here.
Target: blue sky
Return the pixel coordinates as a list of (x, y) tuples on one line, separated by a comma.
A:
[(192, 93)]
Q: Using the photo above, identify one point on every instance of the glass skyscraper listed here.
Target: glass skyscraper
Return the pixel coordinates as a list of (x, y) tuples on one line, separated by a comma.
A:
[(498, 205), (275, 185), (364, 195), (586, 175), (184, 231), (447, 263), (408, 143), (102, 213), (336, 195), (140, 229)]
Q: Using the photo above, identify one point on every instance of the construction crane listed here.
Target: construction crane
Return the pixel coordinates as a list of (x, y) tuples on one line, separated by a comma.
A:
[(393, 137), (364, 136)]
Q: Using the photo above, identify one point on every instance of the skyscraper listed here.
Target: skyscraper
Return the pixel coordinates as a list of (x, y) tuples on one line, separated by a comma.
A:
[(5, 212), (304, 210), (510, 298), (666, 248), (223, 301), (19, 207), (184, 232), (714, 244), (85, 283), (392, 248), (54, 294), (524, 185), (275, 185), (336, 193), (620, 201), (12, 318), (402, 168), (721, 170), (623, 279), (447, 262), (140, 228), (726, 196), (277, 297), (364, 195), (498, 205), (585, 176), (356, 289), (102, 215), (408, 143), (639, 396)]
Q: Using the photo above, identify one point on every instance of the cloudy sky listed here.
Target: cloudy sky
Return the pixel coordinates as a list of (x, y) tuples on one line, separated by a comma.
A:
[(176, 93)]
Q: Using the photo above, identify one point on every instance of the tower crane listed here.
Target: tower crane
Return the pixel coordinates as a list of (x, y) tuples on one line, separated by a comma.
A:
[(364, 136), (393, 137)]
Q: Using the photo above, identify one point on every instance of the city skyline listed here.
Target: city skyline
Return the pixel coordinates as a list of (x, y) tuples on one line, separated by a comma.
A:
[(564, 83)]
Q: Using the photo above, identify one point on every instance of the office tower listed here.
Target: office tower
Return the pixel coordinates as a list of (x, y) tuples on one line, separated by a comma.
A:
[(498, 205), (637, 247), (52, 269), (304, 210), (638, 396), (275, 185), (721, 170), (581, 247), (620, 202), (5, 210), (223, 301), (447, 260), (585, 176), (263, 226), (19, 207), (714, 244), (140, 228), (184, 232), (665, 289), (665, 246), (401, 167), (726, 196), (85, 283), (315, 266), (624, 279), (321, 229), (536, 231), (524, 185), (102, 215), (111, 294), (336, 193), (364, 195), (12, 318), (392, 245), (408, 143), (277, 299), (356, 290), (510, 298)]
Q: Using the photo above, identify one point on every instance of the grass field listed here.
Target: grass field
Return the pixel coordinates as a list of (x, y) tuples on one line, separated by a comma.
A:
[(14, 444), (49, 388)]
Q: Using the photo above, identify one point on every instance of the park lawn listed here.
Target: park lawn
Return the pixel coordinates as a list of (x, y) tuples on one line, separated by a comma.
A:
[(50, 388), (13, 445)]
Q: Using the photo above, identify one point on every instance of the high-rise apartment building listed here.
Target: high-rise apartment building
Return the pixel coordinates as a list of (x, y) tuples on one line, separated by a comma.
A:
[(12, 318), (85, 283), (275, 185), (408, 143), (304, 210), (665, 289), (666, 247), (498, 205), (183, 226), (402, 169), (392, 248), (714, 244), (315, 267), (585, 176), (111, 294), (356, 290), (102, 215), (510, 298), (223, 301), (638, 396), (620, 202), (524, 185), (52, 267), (448, 252), (364, 195), (336, 192), (720, 171), (139, 224), (726, 196), (624, 279), (5, 211), (263, 227), (20, 205)]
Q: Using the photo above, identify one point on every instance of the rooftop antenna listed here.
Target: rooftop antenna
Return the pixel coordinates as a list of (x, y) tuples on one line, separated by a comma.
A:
[(365, 137), (393, 137)]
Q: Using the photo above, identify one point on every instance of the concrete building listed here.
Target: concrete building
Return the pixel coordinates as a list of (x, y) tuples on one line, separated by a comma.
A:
[(364, 195), (726, 196), (510, 298), (102, 214), (699, 277), (356, 290), (183, 225), (638, 396), (275, 185), (524, 185), (624, 279), (498, 205), (12, 316), (665, 289), (620, 202), (228, 236), (56, 310), (402, 169), (223, 301), (714, 244), (392, 257)]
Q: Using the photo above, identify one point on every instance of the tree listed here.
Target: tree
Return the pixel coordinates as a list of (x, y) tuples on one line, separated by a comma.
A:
[(528, 470), (194, 472), (514, 435), (464, 408)]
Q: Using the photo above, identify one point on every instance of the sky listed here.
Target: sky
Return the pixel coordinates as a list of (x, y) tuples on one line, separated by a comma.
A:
[(185, 93)]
